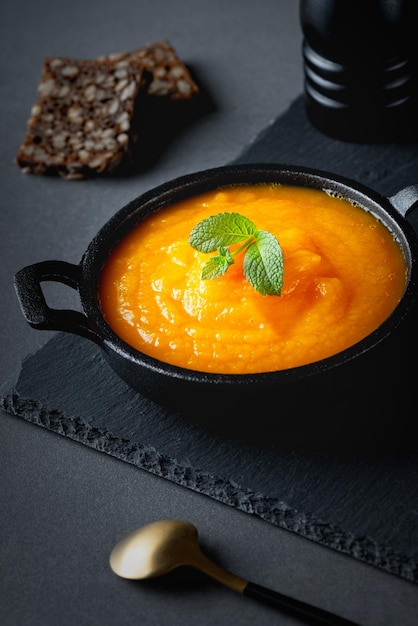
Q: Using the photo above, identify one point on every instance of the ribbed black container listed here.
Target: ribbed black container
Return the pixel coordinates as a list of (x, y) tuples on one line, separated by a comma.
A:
[(360, 63)]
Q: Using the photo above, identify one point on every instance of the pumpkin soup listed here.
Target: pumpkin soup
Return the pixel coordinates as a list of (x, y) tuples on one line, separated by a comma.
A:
[(343, 275)]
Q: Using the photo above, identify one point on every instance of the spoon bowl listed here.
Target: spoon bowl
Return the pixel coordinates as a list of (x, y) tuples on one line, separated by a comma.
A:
[(155, 549), (160, 547)]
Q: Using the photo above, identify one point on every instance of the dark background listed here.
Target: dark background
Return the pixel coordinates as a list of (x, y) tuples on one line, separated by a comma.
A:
[(63, 505)]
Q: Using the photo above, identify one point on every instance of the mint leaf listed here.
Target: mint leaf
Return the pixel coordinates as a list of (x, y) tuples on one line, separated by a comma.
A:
[(263, 264), (263, 259), (220, 230), (217, 265)]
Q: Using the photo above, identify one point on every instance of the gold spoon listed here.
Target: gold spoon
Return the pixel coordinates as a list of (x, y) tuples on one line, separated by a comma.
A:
[(160, 547)]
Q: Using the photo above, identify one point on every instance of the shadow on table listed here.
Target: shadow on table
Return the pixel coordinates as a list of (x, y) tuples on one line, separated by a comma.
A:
[(161, 121)]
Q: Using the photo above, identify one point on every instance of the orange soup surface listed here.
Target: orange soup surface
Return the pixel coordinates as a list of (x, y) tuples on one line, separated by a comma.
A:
[(344, 273)]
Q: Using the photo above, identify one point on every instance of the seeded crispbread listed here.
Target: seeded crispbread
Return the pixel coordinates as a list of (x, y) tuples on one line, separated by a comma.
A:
[(169, 77), (82, 122), (85, 120)]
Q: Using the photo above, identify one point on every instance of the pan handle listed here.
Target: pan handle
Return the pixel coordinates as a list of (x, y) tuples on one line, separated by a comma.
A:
[(33, 304), (405, 200)]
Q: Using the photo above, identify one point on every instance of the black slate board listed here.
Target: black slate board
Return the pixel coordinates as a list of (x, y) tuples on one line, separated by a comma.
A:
[(362, 503)]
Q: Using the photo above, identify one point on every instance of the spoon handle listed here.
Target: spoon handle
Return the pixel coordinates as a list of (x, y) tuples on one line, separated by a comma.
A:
[(311, 614)]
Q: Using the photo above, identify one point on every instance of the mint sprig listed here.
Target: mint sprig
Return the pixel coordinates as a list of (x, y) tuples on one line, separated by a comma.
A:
[(263, 258)]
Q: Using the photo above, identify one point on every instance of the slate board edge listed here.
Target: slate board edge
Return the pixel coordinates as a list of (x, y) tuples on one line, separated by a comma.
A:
[(225, 491)]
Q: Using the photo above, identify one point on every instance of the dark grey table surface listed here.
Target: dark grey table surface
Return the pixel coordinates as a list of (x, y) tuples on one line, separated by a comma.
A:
[(62, 504)]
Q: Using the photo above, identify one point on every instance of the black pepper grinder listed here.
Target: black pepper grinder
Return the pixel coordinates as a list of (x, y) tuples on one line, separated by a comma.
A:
[(360, 64)]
